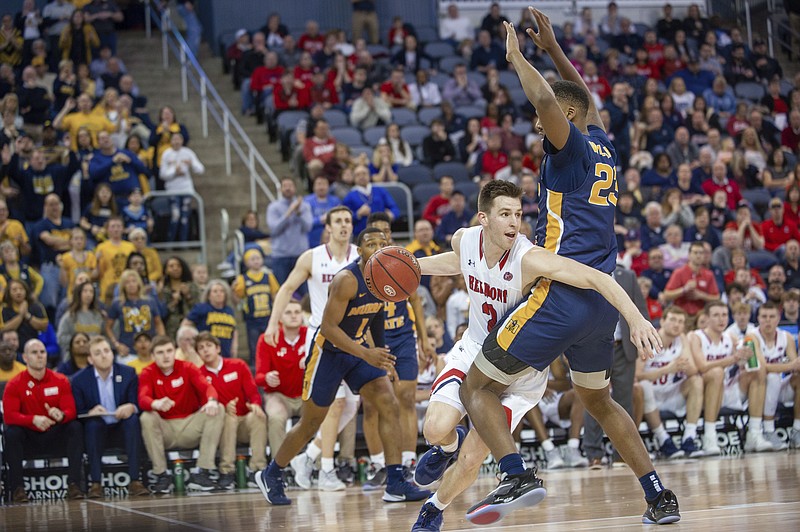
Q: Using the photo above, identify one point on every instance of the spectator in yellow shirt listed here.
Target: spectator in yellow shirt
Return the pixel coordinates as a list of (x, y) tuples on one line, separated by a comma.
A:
[(82, 118), (13, 231), (112, 255), (76, 260), (9, 366), (141, 344)]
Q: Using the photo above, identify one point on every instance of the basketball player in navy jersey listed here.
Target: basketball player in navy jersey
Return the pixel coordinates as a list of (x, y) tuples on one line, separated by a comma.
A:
[(340, 352), (578, 196)]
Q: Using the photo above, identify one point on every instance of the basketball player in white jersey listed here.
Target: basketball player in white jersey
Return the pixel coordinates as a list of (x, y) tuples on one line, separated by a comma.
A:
[(318, 266), (778, 350), (670, 381), (495, 261), (726, 383)]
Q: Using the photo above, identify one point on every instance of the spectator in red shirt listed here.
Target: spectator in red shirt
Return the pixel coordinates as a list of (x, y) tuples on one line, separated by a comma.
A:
[(322, 92), (321, 146), (289, 95), (598, 86), (778, 230), (692, 286), (40, 416), (749, 233), (439, 205), (265, 78), (179, 410), (395, 90), (654, 308), (245, 421), (493, 159), (305, 69), (719, 180), (790, 136), (312, 40), (279, 370)]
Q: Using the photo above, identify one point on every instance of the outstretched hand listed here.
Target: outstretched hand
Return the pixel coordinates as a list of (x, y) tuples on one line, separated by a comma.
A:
[(512, 42), (646, 339), (545, 38)]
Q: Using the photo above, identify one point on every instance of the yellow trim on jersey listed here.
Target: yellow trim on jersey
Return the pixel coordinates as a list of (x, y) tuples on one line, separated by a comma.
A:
[(522, 314), (555, 224), (311, 366)]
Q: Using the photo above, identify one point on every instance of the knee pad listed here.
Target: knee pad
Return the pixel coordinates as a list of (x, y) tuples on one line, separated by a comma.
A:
[(649, 396), (351, 402)]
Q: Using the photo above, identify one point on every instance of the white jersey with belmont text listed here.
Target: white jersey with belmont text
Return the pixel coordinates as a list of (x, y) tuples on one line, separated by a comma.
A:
[(492, 292), (323, 267), (717, 351), (775, 354), (667, 355)]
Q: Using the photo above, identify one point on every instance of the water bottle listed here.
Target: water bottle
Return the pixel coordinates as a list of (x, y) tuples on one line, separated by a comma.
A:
[(241, 472), (752, 363), (177, 476), (363, 464)]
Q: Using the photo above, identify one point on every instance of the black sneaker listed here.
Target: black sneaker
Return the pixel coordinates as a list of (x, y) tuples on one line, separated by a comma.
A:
[(201, 481), (663, 510), (376, 482), (163, 484), (345, 471), (251, 480), (226, 481), (513, 493)]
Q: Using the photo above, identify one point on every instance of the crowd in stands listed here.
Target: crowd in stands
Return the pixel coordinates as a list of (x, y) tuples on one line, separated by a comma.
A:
[(707, 133)]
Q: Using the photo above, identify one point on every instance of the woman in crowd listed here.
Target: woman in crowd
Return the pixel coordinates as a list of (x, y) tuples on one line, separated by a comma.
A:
[(138, 237), (82, 316), (75, 354), (161, 136), (178, 164), (132, 312), (178, 293), (78, 40), (23, 312), (215, 315), (97, 213), (401, 150)]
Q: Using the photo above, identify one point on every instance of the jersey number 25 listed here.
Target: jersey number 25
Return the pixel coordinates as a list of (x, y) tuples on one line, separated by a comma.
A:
[(602, 193)]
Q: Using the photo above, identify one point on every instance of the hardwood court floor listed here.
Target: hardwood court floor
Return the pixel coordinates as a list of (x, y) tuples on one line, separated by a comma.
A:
[(760, 492)]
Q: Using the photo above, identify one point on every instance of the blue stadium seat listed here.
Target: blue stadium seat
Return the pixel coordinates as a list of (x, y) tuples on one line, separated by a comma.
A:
[(414, 174), (422, 193), (749, 90), (448, 64), (477, 77), (522, 128), (426, 115), (470, 190), (509, 79), (347, 135), (427, 34), (414, 134), (455, 170), (786, 87), (403, 117), (336, 118), (518, 96), (378, 50), (402, 197), (355, 151), (641, 28), (373, 134), (288, 120), (438, 49), (471, 111), (440, 78)]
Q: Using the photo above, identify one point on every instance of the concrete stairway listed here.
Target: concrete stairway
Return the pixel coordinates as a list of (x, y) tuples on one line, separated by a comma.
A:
[(142, 57)]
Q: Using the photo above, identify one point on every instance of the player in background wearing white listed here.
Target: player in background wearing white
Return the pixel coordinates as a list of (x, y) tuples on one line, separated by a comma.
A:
[(318, 265), (496, 278), (726, 383), (778, 349), (670, 381)]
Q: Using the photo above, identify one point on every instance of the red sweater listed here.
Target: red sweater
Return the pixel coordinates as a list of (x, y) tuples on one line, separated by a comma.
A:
[(705, 283), (437, 207), (777, 235), (315, 148), (490, 162), (185, 385), (232, 381), (310, 44), (263, 77), (730, 187), (25, 397), (283, 98), (286, 359)]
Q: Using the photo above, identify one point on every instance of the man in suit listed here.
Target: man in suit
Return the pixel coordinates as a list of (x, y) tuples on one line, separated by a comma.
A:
[(622, 371), (108, 391)]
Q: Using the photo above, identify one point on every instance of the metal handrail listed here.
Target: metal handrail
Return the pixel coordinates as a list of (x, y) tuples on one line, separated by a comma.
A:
[(201, 222), (211, 103)]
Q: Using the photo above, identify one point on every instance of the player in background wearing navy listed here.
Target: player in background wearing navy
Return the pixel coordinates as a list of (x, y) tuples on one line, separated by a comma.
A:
[(578, 197), (341, 352)]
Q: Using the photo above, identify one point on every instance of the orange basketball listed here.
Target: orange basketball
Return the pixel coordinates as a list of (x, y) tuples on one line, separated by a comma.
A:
[(392, 274)]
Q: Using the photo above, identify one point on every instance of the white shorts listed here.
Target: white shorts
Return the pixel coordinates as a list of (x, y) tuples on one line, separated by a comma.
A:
[(517, 400), (664, 397), (549, 408), (733, 397), (779, 390)]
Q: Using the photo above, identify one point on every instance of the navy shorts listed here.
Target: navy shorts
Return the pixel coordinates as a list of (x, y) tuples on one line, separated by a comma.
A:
[(407, 364), (556, 319), (327, 368)]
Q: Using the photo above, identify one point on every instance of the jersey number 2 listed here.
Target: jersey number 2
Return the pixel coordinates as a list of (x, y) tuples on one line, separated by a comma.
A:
[(602, 193), (492, 313)]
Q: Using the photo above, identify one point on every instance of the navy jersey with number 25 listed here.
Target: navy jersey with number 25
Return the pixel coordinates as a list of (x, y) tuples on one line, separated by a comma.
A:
[(578, 199)]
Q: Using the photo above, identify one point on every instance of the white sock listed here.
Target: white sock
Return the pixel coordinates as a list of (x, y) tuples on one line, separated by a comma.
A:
[(451, 447), (378, 460), (408, 456), (547, 445), (711, 431), (434, 499), (574, 443), (327, 464), (769, 425), (661, 434), (754, 425), (313, 452), (689, 431), (796, 425), (519, 446)]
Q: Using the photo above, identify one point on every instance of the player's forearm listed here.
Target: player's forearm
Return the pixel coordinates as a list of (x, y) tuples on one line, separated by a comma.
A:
[(443, 264), (282, 299), (335, 335), (535, 86)]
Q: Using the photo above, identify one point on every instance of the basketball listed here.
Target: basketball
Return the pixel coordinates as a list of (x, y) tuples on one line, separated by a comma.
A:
[(392, 274)]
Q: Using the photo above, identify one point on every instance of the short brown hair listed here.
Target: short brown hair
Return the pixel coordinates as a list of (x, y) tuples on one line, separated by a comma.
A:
[(97, 340), (340, 208), (790, 296), (712, 304), (160, 340), (206, 336), (675, 309), (495, 189), (741, 307), (769, 305)]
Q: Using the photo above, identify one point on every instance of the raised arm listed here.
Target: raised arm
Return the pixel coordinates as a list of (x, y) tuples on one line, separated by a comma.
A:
[(546, 40), (540, 263), (299, 274), (538, 91), (444, 263)]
